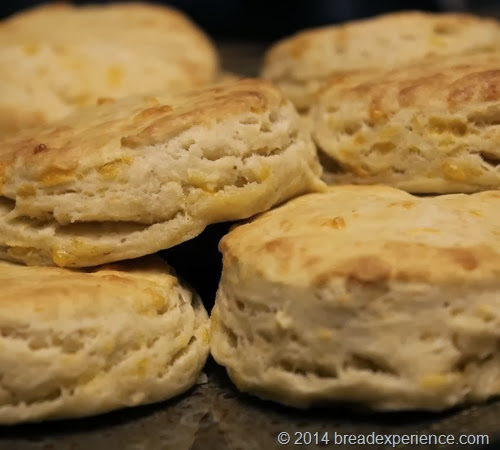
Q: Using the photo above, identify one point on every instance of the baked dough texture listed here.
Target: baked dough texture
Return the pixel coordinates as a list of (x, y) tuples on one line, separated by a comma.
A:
[(78, 343), (301, 63), (365, 295), (131, 177), (432, 127), (57, 58)]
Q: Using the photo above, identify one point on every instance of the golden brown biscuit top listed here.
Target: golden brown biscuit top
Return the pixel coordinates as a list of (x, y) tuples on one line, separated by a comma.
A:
[(371, 234), (453, 83), (73, 33), (142, 284), (378, 42), (115, 132)]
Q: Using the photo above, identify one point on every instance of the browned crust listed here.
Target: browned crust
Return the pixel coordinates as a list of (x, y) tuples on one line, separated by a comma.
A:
[(454, 82), (296, 47), (134, 122), (308, 252)]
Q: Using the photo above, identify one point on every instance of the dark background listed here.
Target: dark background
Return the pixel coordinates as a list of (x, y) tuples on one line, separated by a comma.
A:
[(259, 20)]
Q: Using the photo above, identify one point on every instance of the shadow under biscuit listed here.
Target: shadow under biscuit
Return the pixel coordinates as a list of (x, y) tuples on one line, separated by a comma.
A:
[(248, 423), (199, 262), (169, 425), (216, 416)]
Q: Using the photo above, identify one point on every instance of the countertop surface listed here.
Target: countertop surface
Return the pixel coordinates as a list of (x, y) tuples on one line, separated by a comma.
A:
[(213, 415)]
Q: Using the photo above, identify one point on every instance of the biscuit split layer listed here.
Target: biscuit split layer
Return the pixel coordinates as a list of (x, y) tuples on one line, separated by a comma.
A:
[(141, 174), (366, 295), (78, 343)]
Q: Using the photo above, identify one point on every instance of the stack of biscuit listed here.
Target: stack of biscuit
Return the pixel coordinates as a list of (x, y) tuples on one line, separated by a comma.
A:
[(383, 291), (118, 141)]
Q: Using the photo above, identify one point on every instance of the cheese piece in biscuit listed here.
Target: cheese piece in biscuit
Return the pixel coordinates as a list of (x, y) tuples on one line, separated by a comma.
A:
[(78, 343), (431, 127), (301, 64), (366, 295), (131, 177), (59, 57)]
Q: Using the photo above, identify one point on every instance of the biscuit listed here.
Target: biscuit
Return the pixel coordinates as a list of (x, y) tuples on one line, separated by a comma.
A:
[(366, 295), (77, 343), (302, 63), (58, 58), (131, 177), (431, 127)]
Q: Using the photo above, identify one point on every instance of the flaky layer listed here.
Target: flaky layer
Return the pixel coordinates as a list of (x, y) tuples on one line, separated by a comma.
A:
[(427, 128), (391, 346), (365, 295), (58, 58), (82, 343), (130, 178), (301, 64)]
